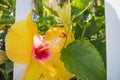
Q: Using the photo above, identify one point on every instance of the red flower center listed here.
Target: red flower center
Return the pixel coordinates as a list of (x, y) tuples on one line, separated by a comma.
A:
[(41, 49), (42, 52)]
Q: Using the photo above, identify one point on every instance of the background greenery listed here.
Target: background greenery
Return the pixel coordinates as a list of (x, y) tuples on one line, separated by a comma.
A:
[(85, 57), (7, 18)]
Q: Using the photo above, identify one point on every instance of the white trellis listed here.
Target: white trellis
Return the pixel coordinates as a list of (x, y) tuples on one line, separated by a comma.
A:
[(112, 13), (23, 7)]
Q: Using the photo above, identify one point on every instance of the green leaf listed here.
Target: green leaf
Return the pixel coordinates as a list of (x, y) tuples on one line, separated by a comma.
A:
[(100, 2), (79, 6), (9, 67), (4, 74), (82, 59), (77, 31), (46, 0), (3, 8), (5, 3), (99, 11), (7, 21), (101, 22), (101, 46), (39, 7), (51, 10), (2, 35), (3, 57), (92, 29)]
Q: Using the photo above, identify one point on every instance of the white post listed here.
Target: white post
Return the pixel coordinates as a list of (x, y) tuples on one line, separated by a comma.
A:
[(23, 7), (112, 15)]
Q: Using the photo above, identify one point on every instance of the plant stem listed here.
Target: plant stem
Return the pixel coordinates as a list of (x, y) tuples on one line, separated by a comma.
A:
[(83, 33), (82, 11), (4, 73)]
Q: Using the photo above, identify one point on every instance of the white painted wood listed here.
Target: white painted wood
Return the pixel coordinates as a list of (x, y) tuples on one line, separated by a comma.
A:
[(23, 7), (112, 15)]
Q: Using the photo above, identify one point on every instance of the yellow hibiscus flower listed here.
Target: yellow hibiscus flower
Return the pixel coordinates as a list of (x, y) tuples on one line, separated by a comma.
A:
[(25, 45)]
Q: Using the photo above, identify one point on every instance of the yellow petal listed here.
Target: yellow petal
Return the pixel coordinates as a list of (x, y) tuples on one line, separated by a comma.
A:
[(54, 33), (36, 71), (54, 65), (31, 25), (19, 41), (70, 37), (57, 69)]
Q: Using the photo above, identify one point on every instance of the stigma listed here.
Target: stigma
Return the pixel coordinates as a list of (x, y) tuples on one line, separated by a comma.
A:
[(42, 52)]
